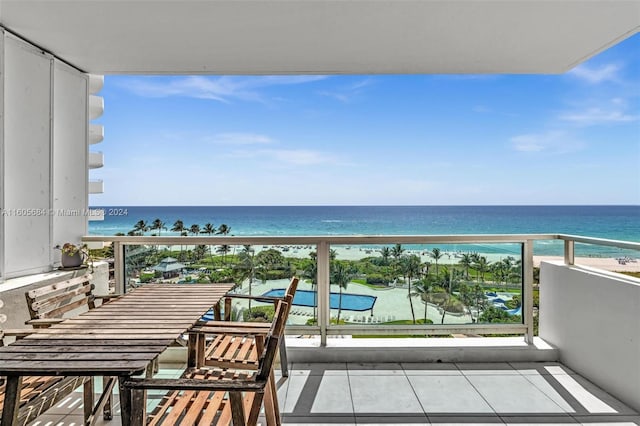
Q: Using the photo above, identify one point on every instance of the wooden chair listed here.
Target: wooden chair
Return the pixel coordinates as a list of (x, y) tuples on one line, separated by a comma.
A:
[(38, 393), (233, 344), (51, 304), (216, 396)]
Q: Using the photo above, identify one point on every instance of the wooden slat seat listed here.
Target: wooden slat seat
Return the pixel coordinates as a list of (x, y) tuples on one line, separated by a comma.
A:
[(205, 396), (233, 344)]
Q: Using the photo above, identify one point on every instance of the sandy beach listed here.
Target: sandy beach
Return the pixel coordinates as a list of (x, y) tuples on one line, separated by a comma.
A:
[(355, 253)]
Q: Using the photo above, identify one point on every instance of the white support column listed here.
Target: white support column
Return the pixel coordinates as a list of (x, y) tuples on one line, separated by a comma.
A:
[(323, 290)]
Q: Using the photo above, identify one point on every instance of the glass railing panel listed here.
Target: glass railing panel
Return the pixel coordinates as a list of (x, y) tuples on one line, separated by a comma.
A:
[(415, 284), (257, 270)]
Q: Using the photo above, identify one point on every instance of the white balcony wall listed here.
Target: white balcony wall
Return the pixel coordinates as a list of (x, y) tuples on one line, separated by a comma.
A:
[(43, 156), (96, 160), (96, 186), (591, 316), (96, 133)]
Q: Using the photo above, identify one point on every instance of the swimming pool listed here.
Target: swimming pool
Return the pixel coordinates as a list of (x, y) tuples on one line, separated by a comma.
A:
[(350, 301)]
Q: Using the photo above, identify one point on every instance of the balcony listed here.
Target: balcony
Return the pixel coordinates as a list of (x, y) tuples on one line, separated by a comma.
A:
[(575, 322), (366, 371)]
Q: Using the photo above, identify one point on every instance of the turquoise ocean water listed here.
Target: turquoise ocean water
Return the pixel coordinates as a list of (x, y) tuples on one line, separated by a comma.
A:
[(613, 222)]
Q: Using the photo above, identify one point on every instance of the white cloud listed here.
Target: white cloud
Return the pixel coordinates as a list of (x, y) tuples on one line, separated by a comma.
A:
[(241, 139), (296, 157), (556, 141), (222, 89), (595, 75), (301, 157), (347, 93), (596, 115)]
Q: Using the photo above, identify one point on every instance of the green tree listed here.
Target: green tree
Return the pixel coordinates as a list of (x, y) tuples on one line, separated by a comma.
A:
[(436, 254), (310, 272), (194, 229), (466, 262), (410, 266), (178, 227), (481, 266), (224, 229), (159, 225), (385, 252), (140, 227), (209, 229), (422, 289), (247, 264), (341, 276)]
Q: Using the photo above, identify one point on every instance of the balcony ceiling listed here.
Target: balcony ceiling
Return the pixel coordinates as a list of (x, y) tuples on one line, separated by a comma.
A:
[(322, 36)]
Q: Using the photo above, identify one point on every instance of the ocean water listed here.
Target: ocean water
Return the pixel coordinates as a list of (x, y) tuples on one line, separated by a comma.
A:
[(613, 222)]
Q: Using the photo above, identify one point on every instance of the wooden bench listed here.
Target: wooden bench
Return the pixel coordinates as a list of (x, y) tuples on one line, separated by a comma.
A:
[(53, 303), (216, 396)]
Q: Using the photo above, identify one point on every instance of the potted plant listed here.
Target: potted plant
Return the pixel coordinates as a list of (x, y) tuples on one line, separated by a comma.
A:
[(73, 255)]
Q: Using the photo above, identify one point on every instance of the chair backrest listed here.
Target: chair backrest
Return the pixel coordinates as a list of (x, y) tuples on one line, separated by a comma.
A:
[(290, 294), (55, 300), (271, 343)]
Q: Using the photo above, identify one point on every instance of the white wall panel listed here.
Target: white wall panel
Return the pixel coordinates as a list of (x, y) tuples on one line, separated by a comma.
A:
[(591, 316), (26, 159), (70, 129)]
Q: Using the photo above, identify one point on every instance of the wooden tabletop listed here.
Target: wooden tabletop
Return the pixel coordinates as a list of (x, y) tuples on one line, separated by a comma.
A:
[(119, 338)]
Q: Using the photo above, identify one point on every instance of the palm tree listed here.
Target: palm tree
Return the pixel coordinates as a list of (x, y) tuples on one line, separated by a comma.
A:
[(311, 272), (410, 268), (248, 265), (465, 262), (397, 251), (209, 229), (194, 229), (178, 227), (223, 230), (422, 290), (340, 276), (141, 227), (481, 266), (385, 252), (224, 249), (436, 255), (159, 225)]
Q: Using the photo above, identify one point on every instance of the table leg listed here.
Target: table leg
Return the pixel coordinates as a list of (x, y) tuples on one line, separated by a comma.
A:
[(125, 401), (107, 412), (88, 400), (11, 401)]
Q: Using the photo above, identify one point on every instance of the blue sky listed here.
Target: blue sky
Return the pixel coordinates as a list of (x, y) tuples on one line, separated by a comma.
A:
[(376, 140)]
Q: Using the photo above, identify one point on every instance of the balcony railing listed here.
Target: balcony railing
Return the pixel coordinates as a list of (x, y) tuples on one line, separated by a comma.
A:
[(460, 299)]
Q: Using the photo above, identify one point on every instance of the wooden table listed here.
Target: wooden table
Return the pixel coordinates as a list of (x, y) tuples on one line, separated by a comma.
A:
[(118, 339)]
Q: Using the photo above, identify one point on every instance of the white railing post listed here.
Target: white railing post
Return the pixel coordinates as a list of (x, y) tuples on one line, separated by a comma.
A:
[(323, 290), (527, 283), (569, 252), (118, 267)]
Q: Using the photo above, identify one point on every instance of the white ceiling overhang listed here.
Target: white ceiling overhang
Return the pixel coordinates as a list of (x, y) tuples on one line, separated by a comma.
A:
[(322, 36)]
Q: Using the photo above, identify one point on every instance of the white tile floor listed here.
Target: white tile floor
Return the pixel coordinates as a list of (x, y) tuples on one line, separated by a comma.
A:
[(420, 394)]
